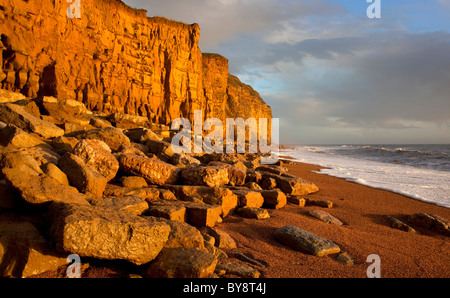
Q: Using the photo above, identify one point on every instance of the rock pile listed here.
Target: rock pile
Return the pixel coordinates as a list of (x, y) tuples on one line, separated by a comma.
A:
[(81, 184)]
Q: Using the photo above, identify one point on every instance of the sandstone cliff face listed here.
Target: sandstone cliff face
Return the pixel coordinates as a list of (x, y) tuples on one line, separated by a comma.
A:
[(115, 59)]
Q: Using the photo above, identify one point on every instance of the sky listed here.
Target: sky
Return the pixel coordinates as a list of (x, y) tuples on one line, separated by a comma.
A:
[(331, 74)]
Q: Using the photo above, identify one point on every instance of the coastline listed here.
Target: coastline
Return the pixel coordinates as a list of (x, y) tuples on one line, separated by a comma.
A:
[(365, 232)]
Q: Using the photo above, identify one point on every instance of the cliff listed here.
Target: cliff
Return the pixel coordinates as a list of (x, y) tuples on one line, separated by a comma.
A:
[(116, 59)]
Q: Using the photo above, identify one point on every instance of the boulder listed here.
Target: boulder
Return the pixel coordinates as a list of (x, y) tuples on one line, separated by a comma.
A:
[(23, 251), (253, 176), (252, 212), (222, 239), (43, 155), (17, 116), (61, 108), (305, 241), (211, 176), (141, 135), (97, 154), (171, 210), (299, 201), (249, 198), (430, 221), (268, 183), (200, 215), (153, 171), (132, 204), (291, 185), (112, 136), (319, 203), (325, 217), (274, 199), (181, 234), (147, 193), (127, 121), (235, 176), (182, 262), (85, 178), (159, 147), (238, 269), (398, 224), (209, 195), (63, 144), (54, 172), (133, 182), (12, 136), (182, 160), (40, 189), (10, 96), (18, 161), (105, 233)]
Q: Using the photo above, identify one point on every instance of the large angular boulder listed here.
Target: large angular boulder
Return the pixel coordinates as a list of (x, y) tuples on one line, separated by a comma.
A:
[(85, 178), (430, 221), (12, 136), (212, 176), (325, 217), (23, 251), (209, 195), (41, 189), (153, 171), (105, 233), (274, 199), (17, 116), (159, 147), (200, 215), (182, 263), (112, 136), (291, 185), (249, 198), (171, 210), (97, 154), (235, 176), (305, 241), (18, 161), (132, 204)]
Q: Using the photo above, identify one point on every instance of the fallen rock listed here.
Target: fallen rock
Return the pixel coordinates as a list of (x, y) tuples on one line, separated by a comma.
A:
[(182, 262), (209, 195), (97, 154), (222, 239), (43, 155), (249, 198), (252, 212), (40, 189), (61, 108), (299, 201), (238, 269), (274, 199), (17, 116), (133, 182), (319, 203), (127, 121), (159, 147), (10, 96), (253, 176), (235, 176), (430, 222), (104, 233), (112, 136), (141, 135), (182, 160), (12, 136), (398, 224), (268, 183), (211, 176), (171, 210), (181, 234), (147, 193), (200, 215), (305, 241), (85, 178), (132, 204), (63, 144), (153, 171), (23, 251), (18, 161), (291, 185), (325, 217), (345, 259), (253, 185), (54, 172)]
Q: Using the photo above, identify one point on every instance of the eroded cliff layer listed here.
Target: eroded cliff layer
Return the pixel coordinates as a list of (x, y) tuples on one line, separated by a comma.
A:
[(116, 59)]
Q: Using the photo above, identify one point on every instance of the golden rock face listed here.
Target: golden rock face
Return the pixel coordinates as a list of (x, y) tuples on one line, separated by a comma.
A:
[(116, 59)]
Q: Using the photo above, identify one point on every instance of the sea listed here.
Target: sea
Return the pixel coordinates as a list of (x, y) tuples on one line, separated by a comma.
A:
[(418, 171)]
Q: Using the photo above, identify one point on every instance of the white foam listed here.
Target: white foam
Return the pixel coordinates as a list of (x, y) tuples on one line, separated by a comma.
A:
[(423, 184)]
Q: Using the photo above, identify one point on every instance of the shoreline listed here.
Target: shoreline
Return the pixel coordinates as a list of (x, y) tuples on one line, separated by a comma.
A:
[(361, 208)]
